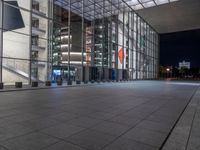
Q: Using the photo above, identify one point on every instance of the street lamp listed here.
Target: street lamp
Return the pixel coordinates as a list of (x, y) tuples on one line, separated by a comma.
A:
[(168, 70)]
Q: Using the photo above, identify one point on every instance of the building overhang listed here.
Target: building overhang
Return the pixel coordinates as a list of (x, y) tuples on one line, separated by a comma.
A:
[(181, 15)]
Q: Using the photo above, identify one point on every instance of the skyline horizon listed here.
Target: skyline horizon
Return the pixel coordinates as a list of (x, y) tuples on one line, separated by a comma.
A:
[(179, 46)]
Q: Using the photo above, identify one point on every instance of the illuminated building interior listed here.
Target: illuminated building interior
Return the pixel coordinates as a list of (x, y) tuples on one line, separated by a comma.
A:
[(72, 40)]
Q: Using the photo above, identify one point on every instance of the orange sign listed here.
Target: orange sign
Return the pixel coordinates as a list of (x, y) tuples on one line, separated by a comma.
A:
[(121, 55)]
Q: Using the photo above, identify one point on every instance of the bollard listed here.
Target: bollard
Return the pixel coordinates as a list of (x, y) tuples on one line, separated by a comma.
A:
[(18, 84), (1, 85), (69, 82), (59, 82), (48, 83), (78, 82), (34, 84)]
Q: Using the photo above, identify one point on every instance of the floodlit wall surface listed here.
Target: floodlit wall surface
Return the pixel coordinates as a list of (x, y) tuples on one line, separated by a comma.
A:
[(24, 40), (74, 40)]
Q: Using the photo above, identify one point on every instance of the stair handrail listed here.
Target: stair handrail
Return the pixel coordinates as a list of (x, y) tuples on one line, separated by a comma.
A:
[(12, 62)]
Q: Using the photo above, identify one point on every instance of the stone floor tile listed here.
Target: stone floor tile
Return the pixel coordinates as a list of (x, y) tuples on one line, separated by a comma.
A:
[(127, 144), (63, 146), (91, 139), (34, 141), (62, 130)]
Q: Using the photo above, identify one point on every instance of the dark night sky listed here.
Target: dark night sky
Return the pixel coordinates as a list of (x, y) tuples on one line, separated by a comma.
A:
[(179, 46)]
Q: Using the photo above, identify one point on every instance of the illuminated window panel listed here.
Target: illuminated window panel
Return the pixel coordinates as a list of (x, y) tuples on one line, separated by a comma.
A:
[(133, 2), (137, 7), (173, 0), (159, 2), (144, 1), (141, 4), (149, 4)]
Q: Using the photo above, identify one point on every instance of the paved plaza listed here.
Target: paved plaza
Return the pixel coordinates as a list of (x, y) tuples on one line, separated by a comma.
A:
[(138, 115)]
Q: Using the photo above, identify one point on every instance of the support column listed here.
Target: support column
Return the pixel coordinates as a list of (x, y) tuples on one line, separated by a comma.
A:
[(137, 60), (82, 42), (69, 39), (1, 38), (50, 40), (30, 43), (132, 40)]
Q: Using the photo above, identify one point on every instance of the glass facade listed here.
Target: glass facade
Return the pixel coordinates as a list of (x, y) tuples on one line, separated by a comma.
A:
[(75, 40)]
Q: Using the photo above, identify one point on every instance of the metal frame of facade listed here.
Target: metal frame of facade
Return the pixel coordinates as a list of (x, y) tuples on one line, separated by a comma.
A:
[(106, 13)]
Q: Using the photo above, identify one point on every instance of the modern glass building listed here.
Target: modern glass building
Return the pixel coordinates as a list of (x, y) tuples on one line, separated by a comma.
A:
[(75, 40)]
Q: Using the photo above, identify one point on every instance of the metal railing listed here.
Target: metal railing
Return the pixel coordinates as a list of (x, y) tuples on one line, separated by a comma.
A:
[(21, 68)]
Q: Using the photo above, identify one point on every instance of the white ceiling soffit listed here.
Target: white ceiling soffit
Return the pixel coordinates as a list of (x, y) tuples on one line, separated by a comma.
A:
[(182, 15)]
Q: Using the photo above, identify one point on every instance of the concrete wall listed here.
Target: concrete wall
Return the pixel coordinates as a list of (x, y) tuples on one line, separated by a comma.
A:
[(17, 45)]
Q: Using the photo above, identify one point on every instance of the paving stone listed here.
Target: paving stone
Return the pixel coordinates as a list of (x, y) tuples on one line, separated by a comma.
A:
[(127, 144), (111, 128), (145, 136), (39, 124), (174, 145), (85, 122), (125, 120), (155, 126), (2, 148), (12, 131), (63, 117), (62, 130), (63, 146), (34, 141), (93, 117), (186, 134), (91, 139)]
